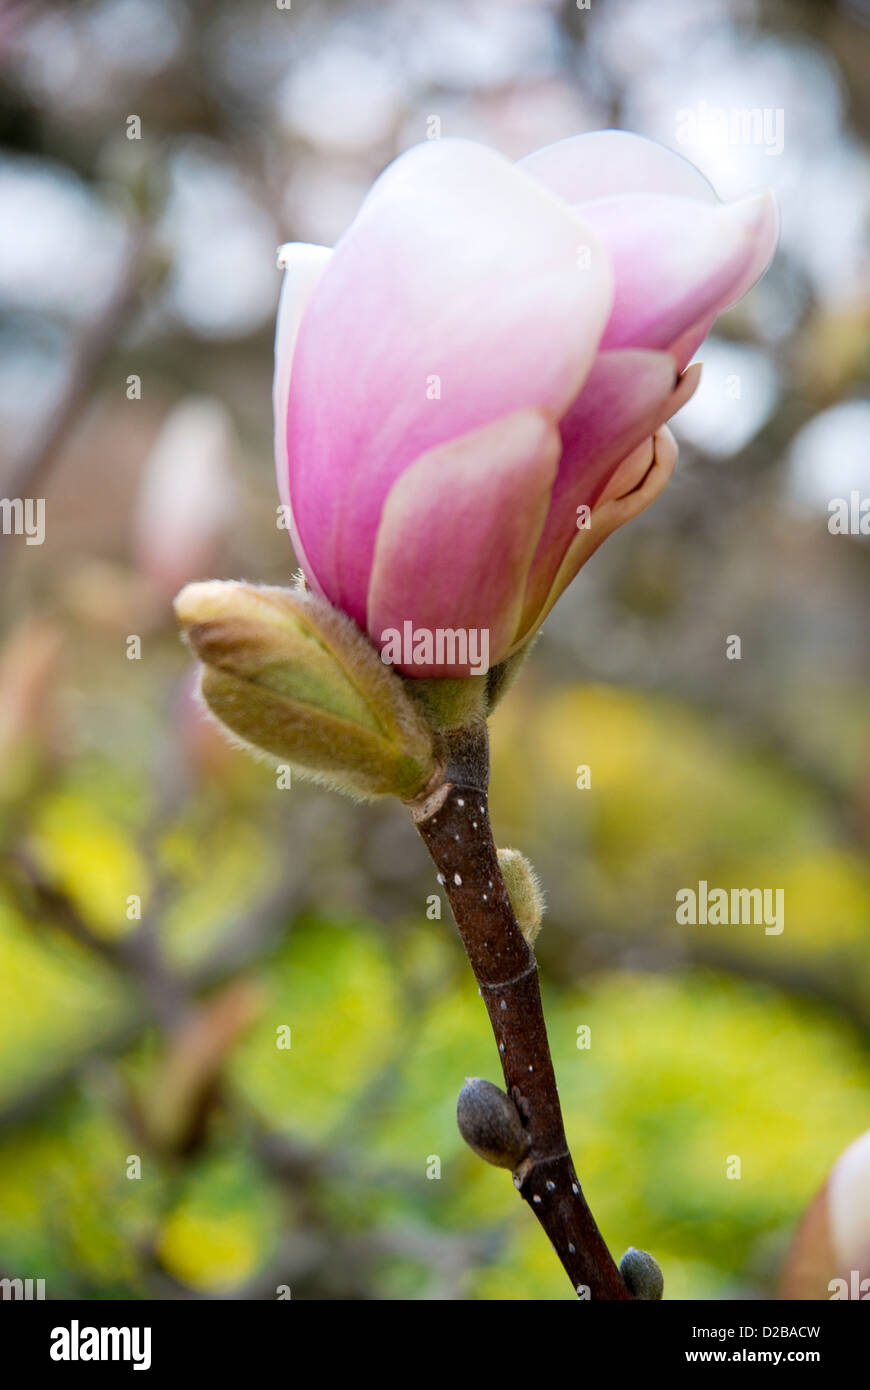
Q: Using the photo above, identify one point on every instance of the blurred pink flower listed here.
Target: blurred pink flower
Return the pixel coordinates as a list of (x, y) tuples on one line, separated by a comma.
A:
[(490, 349), (188, 499), (830, 1256)]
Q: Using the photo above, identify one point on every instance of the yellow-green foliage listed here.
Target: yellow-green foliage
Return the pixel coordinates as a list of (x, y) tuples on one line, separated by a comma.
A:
[(677, 1071)]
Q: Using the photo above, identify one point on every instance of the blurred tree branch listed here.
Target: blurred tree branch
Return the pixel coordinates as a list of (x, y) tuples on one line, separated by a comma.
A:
[(94, 348)]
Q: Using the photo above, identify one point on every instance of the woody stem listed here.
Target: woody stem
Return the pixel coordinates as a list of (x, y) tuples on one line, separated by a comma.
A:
[(454, 824)]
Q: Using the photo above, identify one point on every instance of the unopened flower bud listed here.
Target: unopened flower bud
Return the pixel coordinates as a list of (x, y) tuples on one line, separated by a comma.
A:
[(473, 516), (642, 1274), (524, 891), (290, 675), (490, 1123)]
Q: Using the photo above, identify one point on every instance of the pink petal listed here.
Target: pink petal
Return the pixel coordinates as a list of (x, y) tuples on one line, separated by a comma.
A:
[(621, 402), (683, 349), (303, 266), (677, 261), (633, 469), (624, 399), (457, 535), (625, 477), (644, 475), (604, 163), (461, 275), (764, 240)]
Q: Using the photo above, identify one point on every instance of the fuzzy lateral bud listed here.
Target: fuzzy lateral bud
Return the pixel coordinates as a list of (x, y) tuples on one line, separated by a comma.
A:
[(642, 1275), (287, 674), (490, 1123), (524, 891)]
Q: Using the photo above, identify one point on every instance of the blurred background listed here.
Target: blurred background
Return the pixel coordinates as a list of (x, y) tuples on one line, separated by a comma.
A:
[(231, 1038)]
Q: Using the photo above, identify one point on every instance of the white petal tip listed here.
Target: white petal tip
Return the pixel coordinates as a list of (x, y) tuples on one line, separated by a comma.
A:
[(301, 255), (759, 214)]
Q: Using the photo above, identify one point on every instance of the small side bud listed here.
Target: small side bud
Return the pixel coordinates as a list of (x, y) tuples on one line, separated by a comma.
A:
[(642, 1274), (288, 674), (524, 891), (490, 1123)]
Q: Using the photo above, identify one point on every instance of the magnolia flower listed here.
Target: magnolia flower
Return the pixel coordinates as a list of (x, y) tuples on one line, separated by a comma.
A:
[(471, 389)]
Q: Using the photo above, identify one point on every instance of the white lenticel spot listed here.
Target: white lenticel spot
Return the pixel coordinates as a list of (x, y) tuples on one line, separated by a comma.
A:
[(457, 880)]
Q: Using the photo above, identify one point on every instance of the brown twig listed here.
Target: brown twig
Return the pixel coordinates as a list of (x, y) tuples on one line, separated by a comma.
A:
[(454, 824)]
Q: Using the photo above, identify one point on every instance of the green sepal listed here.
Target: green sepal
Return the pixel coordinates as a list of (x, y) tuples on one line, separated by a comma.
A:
[(500, 678), (451, 702)]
